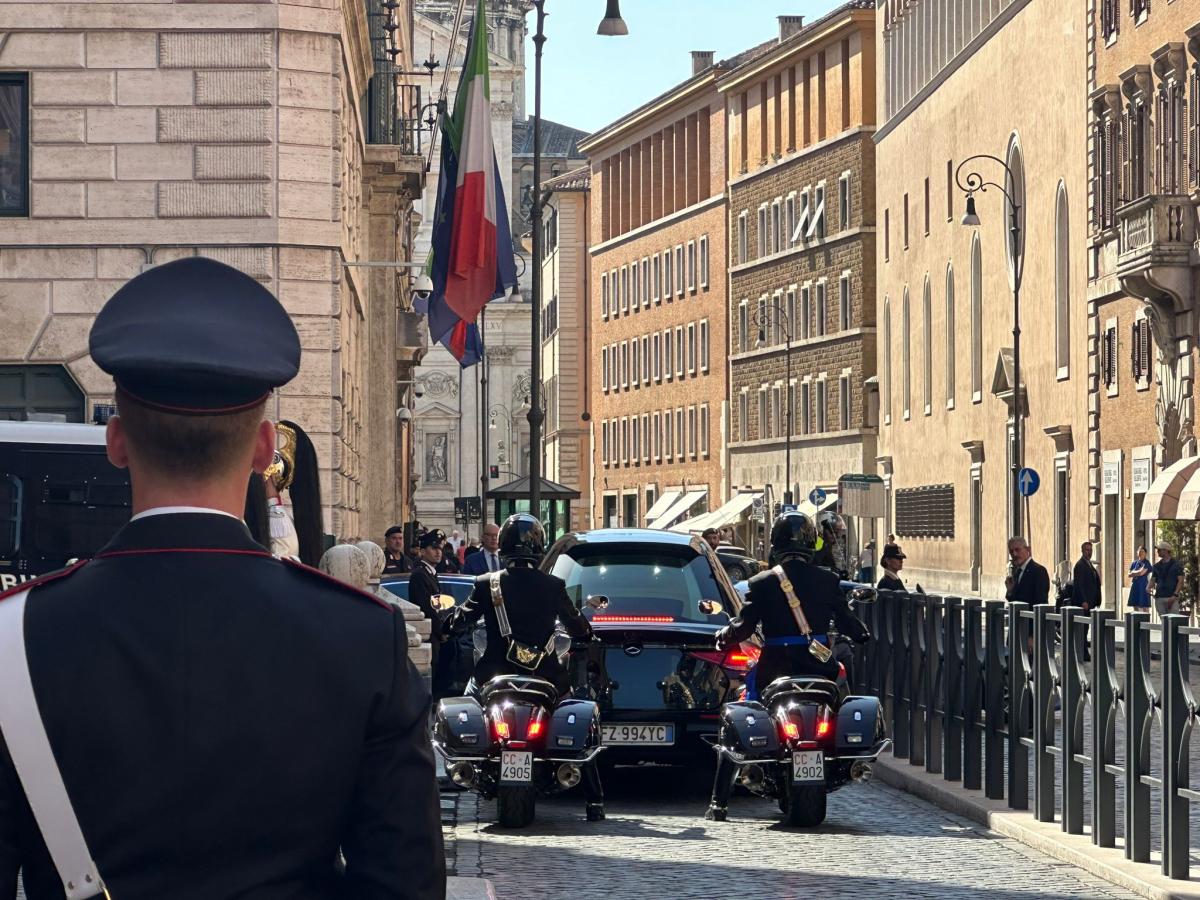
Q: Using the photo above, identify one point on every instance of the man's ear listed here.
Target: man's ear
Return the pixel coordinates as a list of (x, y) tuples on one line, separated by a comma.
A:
[(264, 446), (114, 441)]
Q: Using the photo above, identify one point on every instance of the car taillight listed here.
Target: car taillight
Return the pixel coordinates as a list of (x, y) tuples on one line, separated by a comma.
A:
[(655, 620), (742, 658)]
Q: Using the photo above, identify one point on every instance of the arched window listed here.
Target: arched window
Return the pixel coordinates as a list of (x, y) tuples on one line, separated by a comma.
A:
[(950, 326), (1062, 284), (887, 360), (906, 356), (927, 341), (976, 321)]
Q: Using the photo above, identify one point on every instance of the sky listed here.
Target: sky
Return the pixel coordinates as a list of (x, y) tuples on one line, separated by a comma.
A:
[(589, 81)]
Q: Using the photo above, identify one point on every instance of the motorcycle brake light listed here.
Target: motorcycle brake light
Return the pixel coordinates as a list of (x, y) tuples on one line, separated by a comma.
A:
[(502, 729), (791, 730), (824, 727), (535, 729)]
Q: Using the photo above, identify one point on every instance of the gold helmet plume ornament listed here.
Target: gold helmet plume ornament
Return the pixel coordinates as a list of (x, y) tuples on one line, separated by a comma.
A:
[(283, 468)]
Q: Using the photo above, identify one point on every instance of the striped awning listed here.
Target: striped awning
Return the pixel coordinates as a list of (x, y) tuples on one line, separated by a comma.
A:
[(1164, 498), (730, 512), (662, 504), (677, 509)]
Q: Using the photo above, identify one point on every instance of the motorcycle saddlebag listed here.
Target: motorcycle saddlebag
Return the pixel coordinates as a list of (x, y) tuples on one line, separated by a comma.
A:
[(748, 728), (574, 727), (460, 725), (859, 725)]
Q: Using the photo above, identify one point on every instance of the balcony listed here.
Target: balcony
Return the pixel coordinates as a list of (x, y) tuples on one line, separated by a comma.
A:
[(1156, 235)]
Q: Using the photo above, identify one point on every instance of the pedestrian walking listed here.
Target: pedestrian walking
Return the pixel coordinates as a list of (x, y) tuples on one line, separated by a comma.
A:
[(892, 562), (1086, 590), (1139, 577), (1164, 584), (866, 563), (1029, 581), (202, 719)]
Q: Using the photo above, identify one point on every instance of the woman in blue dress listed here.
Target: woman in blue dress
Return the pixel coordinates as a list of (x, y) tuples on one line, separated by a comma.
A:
[(1139, 571)]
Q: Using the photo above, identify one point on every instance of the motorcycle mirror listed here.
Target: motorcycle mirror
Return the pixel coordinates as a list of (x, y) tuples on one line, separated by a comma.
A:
[(442, 601), (597, 601), (864, 595), (710, 607)]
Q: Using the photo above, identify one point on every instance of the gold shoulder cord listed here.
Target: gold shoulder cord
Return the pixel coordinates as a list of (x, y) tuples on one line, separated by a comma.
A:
[(817, 649)]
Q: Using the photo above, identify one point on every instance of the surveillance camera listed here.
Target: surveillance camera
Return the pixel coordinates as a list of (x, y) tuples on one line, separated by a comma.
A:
[(422, 286), (404, 414), (418, 391)]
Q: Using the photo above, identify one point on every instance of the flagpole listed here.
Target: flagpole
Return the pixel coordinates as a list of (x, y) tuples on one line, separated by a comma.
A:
[(484, 434), (535, 361)]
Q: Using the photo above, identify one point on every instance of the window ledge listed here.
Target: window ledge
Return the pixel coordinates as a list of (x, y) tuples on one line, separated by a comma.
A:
[(1064, 373), (950, 403), (977, 396)]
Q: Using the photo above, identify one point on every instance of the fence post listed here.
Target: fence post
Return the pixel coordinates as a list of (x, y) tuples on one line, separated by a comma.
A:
[(972, 693), (1043, 713), (952, 690), (917, 657), (1105, 698), (881, 650), (1072, 719), (1137, 759), (1175, 829), (1019, 703), (899, 621), (934, 675), (995, 686)]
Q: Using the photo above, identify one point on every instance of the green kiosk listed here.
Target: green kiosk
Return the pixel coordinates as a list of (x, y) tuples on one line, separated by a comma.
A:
[(513, 498)]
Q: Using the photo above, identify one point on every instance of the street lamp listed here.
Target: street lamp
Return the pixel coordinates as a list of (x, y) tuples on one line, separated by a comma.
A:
[(970, 183), (499, 409), (612, 24), (763, 318)]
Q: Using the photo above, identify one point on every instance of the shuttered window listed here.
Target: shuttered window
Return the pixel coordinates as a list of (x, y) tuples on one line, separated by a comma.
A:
[(925, 512), (1108, 361), (1140, 352)]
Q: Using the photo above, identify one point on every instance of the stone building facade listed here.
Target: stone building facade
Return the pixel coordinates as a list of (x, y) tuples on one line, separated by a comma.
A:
[(1144, 168), (657, 273), (566, 340), (137, 133), (945, 300), (802, 229)]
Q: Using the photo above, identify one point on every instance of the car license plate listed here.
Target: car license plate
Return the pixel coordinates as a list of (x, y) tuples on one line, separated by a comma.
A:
[(808, 766), (638, 734), (516, 767)]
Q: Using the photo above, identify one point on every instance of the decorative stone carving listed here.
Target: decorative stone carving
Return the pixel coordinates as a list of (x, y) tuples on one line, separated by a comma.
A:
[(438, 384)]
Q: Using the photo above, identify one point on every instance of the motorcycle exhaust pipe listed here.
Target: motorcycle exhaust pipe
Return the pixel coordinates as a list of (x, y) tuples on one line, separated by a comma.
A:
[(751, 777), (463, 774), (569, 775), (861, 772)]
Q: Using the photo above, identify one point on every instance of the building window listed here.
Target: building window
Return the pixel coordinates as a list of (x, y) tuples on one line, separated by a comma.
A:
[(14, 144), (905, 357), (906, 221), (668, 368), (635, 287), (657, 353), (844, 201), (614, 294), (976, 322), (1135, 178), (927, 340), (668, 436), (1142, 361), (625, 290), (790, 218), (822, 310), (806, 406), (679, 272), (667, 279), (777, 225), (604, 295), (636, 441), (925, 512), (1169, 131), (926, 207), (645, 282), (693, 438), (816, 228), (887, 361), (656, 279), (704, 430), (1108, 358), (625, 365), (635, 363), (822, 399), (680, 434), (691, 348), (744, 325), (604, 368), (790, 305), (777, 423), (764, 420), (704, 346), (844, 302), (604, 442), (805, 312), (949, 330), (949, 190), (744, 415), (646, 438), (657, 419), (645, 359), (679, 351), (743, 237), (844, 402), (1110, 18), (1139, 9), (800, 233), (762, 231), (887, 235), (691, 266), (1062, 284), (704, 262)]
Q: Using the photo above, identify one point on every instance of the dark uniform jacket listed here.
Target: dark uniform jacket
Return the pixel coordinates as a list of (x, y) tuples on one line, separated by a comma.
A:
[(1085, 585), (224, 722), (1033, 587), (534, 601), (821, 598), (423, 585), (397, 565), (890, 582)]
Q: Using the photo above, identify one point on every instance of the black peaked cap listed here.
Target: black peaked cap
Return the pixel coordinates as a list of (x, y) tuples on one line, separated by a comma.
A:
[(195, 336)]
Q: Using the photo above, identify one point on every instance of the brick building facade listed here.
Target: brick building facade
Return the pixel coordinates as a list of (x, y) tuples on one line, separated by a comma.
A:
[(802, 256), (135, 133), (657, 276)]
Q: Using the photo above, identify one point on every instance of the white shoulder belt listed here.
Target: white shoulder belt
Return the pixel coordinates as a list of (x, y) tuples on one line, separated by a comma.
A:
[(25, 735)]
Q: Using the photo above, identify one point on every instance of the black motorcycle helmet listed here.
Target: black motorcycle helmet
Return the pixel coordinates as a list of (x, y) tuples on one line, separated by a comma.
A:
[(793, 536), (522, 539)]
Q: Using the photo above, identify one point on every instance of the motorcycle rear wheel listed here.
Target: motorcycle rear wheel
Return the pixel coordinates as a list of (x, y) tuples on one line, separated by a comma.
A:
[(515, 806), (804, 805)]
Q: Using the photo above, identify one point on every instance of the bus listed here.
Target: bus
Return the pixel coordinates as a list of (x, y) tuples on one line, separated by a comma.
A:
[(61, 500)]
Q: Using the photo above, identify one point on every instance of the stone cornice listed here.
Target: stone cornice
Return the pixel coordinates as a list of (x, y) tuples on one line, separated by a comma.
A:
[(166, 17)]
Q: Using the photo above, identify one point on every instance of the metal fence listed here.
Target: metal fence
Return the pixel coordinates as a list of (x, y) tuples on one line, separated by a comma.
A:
[(970, 690)]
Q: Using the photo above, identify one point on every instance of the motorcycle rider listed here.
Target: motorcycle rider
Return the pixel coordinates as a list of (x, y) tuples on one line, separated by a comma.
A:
[(818, 599), (533, 602), (831, 545)]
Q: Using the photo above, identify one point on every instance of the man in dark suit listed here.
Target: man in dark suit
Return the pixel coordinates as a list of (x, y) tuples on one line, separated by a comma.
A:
[(423, 585), (1086, 581), (1029, 581), (228, 736), (486, 559), (786, 650)]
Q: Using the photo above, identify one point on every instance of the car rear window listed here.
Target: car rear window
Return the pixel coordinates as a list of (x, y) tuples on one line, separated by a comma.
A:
[(664, 583)]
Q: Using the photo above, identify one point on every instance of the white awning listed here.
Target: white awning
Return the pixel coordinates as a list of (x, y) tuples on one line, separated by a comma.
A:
[(806, 506), (677, 509), (1189, 499), (1163, 500), (725, 515), (662, 504)]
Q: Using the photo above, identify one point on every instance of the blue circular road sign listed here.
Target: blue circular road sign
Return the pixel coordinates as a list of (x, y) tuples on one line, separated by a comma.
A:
[(1028, 482), (816, 497)]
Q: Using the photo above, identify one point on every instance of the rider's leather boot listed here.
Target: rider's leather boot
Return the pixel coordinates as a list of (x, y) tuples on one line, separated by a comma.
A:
[(595, 812), (716, 813)]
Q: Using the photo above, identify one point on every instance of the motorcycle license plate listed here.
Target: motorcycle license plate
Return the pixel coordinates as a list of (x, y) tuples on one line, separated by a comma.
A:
[(635, 734), (808, 767), (516, 767)]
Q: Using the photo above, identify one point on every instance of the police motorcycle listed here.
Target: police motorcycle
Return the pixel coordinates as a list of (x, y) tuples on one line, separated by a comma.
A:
[(515, 735), (803, 737)]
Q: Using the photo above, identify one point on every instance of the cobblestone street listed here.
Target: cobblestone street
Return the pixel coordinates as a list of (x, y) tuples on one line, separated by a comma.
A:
[(876, 842)]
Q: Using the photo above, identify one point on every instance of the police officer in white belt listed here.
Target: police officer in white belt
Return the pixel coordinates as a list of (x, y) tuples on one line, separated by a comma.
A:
[(185, 716)]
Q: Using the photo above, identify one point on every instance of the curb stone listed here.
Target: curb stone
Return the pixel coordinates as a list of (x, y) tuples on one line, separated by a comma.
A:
[(1143, 879)]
